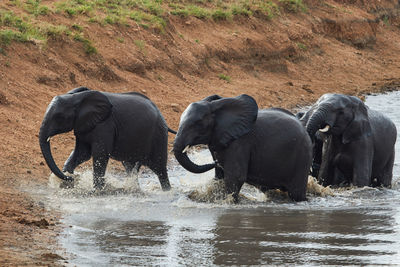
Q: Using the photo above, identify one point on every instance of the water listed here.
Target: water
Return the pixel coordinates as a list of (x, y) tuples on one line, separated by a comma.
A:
[(147, 227)]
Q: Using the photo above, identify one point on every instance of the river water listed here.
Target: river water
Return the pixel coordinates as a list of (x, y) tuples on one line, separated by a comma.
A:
[(129, 226)]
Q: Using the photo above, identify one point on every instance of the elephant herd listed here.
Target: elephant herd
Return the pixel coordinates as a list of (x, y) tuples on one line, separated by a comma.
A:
[(339, 139)]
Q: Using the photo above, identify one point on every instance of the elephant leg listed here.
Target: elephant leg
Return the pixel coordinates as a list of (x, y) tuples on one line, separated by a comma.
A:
[(338, 177), (297, 190), (158, 161), (132, 170), (234, 182), (163, 178), (387, 175), (362, 173), (361, 162), (131, 166), (100, 161), (235, 170), (99, 170), (80, 154), (161, 172), (297, 194), (158, 165)]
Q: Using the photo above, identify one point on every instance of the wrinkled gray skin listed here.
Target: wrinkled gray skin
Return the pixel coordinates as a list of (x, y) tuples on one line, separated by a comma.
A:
[(266, 148), (358, 148), (317, 148), (127, 127)]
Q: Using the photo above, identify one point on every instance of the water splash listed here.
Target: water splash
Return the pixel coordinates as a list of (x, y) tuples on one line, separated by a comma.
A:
[(316, 189), (213, 192), (115, 183)]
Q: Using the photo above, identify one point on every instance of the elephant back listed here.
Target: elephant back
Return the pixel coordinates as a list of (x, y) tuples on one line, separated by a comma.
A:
[(279, 121)]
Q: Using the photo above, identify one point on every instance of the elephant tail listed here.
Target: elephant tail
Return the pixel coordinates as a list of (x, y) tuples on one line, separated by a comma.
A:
[(171, 131)]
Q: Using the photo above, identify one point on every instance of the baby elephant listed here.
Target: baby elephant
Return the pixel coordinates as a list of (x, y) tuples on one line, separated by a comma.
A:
[(269, 149), (354, 144), (127, 127)]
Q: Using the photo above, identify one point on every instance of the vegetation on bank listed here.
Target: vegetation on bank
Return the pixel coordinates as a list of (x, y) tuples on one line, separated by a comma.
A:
[(31, 20)]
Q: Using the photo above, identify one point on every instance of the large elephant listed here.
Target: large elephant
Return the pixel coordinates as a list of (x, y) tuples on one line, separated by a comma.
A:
[(127, 127), (266, 148), (357, 142)]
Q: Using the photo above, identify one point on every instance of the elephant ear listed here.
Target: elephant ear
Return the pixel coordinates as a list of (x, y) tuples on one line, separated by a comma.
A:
[(234, 117), (94, 108), (212, 98), (359, 127)]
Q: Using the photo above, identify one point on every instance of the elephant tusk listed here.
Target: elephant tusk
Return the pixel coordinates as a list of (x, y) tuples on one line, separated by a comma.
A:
[(324, 130), (48, 139), (186, 149)]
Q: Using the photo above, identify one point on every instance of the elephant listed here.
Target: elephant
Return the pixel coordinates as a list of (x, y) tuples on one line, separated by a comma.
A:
[(269, 148), (127, 127), (356, 143)]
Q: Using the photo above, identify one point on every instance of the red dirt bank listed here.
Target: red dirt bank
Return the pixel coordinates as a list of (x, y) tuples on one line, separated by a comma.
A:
[(336, 46)]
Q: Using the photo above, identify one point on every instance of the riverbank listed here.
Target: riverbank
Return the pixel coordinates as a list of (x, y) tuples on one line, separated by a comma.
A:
[(288, 60)]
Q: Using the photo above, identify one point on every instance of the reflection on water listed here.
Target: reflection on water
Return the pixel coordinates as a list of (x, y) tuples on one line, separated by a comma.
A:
[(304, 237), (357, 226)]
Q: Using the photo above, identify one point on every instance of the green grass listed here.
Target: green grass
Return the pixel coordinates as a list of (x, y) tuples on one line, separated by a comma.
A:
[(27, 29), (220, 14), (113, 19), (24, 29), (28, 24), (240, 10), (190, 10), (74, 7), (219, 10), (224, 77), (301, 46), (116, 12), (87, 44), (141, 45), (77, 27), (7, 36), (293, 5), (386, 20), (8, 18), (198, 12), (34, 7)]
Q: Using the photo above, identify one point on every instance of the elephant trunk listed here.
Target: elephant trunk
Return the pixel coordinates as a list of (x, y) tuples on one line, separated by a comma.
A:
[(189, 165), (44, 141), (316, 122)]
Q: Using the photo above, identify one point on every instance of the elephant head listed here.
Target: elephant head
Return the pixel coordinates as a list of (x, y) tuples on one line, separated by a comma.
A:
[(213, 121), (79, 110), (339, 115)]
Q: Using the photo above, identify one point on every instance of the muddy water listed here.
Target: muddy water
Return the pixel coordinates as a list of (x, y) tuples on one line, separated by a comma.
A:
[(131, 226)]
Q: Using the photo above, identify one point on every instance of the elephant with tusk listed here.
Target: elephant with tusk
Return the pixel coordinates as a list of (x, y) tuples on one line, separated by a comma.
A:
[(353, 144)]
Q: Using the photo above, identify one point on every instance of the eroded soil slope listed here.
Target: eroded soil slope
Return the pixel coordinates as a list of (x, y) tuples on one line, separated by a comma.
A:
[(288, 60)]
